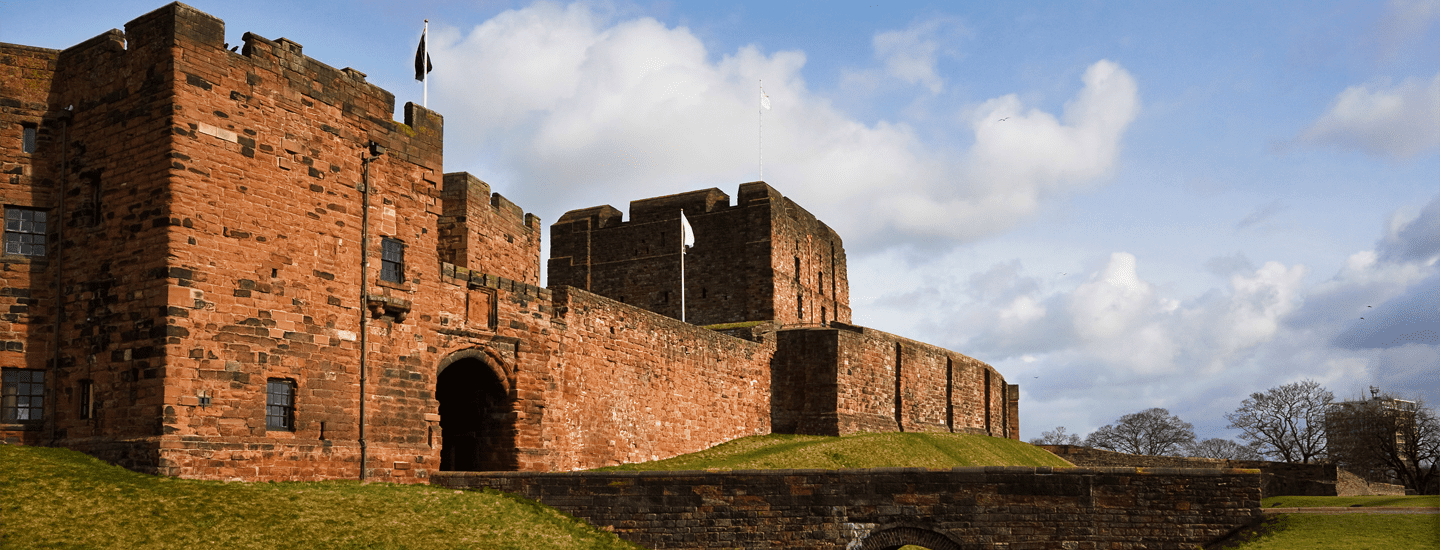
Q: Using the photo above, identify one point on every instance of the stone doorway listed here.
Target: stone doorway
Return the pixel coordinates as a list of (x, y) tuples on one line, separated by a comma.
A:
[(476, 422)]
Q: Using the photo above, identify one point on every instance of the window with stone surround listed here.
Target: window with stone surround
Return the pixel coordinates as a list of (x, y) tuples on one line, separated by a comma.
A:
[(22, 395), (87, 399), (392, 260), (28, 141), (24, 231), (280, 404)]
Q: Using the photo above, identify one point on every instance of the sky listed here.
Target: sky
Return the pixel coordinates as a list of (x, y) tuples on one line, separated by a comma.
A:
[(1119, 205)]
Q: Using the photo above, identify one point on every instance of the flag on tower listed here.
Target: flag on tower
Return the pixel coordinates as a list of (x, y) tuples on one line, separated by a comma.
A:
[(687, 235), (422, 60), (764, 99)]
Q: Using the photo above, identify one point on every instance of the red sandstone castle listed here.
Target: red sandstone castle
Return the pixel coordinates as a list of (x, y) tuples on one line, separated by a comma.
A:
[(235, 265)]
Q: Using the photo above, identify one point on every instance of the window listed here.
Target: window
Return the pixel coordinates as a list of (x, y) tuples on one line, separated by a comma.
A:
[(392, 260), (22, 398), (87, 399), (820, 282), (27, 141), (799, 308), (24, 231), (280, 404)]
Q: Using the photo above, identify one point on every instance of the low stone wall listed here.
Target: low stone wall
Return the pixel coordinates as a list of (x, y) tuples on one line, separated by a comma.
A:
[(1279, 478), (1002, 507)]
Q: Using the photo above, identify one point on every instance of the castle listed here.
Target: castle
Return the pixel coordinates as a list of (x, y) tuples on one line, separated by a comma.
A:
[(235, 265)]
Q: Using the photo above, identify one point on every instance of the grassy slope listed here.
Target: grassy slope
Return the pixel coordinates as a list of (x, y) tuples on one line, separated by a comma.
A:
[(882, 450), (1343, 532), (57, 498)]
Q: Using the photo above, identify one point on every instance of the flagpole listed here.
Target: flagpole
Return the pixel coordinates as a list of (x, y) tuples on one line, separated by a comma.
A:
[(682, 266), (760, 113), (425, 97)]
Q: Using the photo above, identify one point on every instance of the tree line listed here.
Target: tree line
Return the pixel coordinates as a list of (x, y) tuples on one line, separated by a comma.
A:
[(1381, 439)]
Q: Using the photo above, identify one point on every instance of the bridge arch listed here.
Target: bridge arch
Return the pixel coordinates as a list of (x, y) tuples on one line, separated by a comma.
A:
[(892, 538), (477, 421)]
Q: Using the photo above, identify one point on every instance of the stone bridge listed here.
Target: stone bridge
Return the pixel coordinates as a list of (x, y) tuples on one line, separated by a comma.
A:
[(1013, 508)]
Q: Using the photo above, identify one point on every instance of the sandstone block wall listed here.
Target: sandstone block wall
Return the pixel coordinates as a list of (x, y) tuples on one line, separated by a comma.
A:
[(485, 232), (1014, 507), (1278, 478), (847, 379), (631, 385)]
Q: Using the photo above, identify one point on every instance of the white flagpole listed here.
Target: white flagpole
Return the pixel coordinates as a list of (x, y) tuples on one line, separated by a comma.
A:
[(760, 112), (425, 59), (682, 266)]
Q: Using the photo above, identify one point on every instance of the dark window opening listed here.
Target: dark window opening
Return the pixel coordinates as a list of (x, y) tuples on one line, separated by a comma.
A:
[(988, 405), (799, 308), (703, 292), (22, 395), (665, 297), (822, 315), (28, 139), (797, 268), (87, 399), (392, 260), (280, 404), (24, 231), (820, 282), (950, 394)]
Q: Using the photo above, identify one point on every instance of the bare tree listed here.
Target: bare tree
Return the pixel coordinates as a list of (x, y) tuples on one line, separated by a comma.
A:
[(1148, 432), (1224, 449), (1286, 422), (1057, 437), (1387, 439)]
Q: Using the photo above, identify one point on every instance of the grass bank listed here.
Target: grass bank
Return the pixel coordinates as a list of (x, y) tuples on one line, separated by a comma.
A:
[(1342, 532), (56, 498), (877, 450)]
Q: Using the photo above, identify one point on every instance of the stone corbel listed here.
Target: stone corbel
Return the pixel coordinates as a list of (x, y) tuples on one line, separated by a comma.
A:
[(386, 305)]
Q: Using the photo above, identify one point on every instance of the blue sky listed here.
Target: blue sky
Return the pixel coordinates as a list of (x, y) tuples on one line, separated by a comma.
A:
[(1119, 205)]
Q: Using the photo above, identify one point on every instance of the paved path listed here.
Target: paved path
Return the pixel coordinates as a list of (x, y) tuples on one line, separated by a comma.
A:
[(1355, 510)]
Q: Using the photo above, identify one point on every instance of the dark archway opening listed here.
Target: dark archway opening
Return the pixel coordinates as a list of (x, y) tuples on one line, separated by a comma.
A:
[(476, 422), (897, 538)]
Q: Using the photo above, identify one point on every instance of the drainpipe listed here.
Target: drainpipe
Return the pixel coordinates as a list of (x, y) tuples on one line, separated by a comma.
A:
[(375, 151), (54, 381)]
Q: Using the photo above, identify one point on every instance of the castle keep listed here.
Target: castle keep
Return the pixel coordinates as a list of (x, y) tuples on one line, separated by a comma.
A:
[(234, 265)]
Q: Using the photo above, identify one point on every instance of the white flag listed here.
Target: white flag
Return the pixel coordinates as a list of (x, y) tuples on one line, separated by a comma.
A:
[(687, 235), (764, 100)]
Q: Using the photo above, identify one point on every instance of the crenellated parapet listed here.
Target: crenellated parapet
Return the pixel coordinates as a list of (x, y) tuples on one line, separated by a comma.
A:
[(762, 258)]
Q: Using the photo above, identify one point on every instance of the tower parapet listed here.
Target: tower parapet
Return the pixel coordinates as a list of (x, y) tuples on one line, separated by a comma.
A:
[(763, 258)]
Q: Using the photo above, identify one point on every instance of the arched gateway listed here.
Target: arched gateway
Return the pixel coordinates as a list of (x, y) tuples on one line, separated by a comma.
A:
[(477, 426), (894, 538)]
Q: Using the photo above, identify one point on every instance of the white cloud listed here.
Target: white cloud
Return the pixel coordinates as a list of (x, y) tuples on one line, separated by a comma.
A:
[(910, 54), (1398, 121), (584, 110)]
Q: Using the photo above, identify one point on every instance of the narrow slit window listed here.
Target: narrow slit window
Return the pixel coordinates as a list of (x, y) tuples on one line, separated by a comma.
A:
[(280, 405), (87, 399), (24, 231), (28, 139), (392, 260)]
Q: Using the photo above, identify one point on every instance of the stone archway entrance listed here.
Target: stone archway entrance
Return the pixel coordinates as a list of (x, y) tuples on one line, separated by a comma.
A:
[(477, 431), (895, 538)]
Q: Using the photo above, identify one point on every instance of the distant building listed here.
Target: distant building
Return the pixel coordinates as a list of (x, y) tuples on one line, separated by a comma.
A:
[(1358, 431)]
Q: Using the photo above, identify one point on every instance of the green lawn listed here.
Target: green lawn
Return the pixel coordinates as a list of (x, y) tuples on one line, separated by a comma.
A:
[(874, 450), (1431, 501), (56, 498), (1341, 532)]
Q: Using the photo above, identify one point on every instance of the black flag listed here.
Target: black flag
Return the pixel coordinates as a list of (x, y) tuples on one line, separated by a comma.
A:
[(422, 60)]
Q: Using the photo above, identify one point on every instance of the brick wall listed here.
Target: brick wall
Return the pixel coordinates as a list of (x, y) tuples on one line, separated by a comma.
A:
[(741, 268), (1113, 508)]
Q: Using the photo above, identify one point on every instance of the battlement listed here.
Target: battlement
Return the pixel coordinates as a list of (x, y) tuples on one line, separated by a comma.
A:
[(460, 188), (485, 231), (763, 258)]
